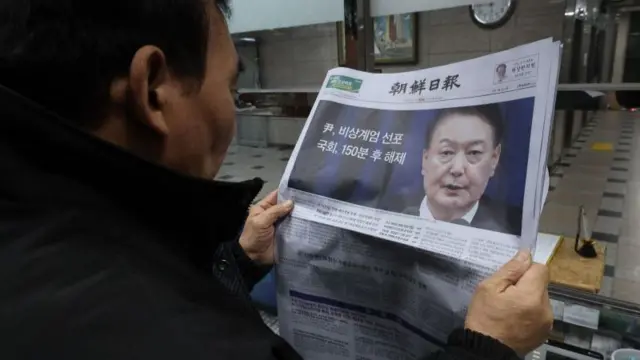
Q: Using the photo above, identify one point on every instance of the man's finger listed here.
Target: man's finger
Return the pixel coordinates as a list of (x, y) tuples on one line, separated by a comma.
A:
[(269, 200), (535, 280), (511, 272), (272, 214)]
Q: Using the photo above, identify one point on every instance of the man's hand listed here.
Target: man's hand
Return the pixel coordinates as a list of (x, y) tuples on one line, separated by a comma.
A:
[(513, 305), (258, 237)]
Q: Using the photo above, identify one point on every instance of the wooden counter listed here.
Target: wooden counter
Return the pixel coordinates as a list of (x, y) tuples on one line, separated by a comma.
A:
[(568, 269)]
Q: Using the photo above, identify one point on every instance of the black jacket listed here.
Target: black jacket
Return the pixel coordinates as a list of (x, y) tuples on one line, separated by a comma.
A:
[(491, 215), (106, 256)]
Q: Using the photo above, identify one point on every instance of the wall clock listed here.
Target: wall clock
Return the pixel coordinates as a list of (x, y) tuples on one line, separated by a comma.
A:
[(494, 14)]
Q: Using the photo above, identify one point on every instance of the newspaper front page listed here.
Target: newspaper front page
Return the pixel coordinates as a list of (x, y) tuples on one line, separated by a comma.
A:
[(410, 189)]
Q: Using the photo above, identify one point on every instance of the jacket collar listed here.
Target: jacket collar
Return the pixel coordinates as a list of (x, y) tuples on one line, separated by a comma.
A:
[(45, 161)]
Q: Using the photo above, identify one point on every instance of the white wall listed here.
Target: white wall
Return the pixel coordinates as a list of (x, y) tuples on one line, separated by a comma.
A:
[(386, 7), (301, 56), (252, 15)]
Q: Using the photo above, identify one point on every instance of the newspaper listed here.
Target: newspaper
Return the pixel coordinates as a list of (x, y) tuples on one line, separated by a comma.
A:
[(410, 189)]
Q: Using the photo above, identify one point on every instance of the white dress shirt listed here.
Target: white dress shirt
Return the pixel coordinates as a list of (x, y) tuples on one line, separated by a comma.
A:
[(425, 213)]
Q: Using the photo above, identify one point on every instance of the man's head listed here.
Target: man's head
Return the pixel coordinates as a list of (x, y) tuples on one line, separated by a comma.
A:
[(501, 70), (153, 76), (461, 154)]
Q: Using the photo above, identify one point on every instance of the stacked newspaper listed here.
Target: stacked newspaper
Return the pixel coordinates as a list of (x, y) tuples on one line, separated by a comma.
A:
[(410, 189)]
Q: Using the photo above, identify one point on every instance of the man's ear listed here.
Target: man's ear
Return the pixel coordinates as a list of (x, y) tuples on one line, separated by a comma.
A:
[(495, 158), (148, 80), (425, 154)]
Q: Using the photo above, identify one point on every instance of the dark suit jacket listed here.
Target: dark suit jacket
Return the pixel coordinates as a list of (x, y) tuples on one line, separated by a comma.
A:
[(491, 215)]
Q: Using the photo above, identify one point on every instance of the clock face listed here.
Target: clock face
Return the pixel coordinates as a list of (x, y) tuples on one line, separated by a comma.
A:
[(493, 14)]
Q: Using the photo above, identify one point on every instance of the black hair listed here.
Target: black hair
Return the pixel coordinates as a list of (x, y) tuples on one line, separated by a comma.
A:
[(64, 54), (504, 66), (489, 113)]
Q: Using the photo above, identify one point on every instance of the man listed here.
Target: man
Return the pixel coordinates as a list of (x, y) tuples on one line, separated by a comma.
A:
[(462, 153), (113, 120), (501, 72)]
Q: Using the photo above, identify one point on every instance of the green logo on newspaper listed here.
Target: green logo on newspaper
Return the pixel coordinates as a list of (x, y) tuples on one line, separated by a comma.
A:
[(344, 83)]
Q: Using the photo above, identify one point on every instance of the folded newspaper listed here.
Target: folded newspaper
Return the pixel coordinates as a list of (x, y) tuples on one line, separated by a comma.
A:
[(410, 189)]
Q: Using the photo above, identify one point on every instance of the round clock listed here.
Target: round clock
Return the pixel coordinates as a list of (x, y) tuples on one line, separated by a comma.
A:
[(492, 15)]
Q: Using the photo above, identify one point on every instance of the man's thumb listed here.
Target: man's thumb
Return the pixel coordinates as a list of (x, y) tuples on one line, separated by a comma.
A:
[(511, 272), (272, 214)]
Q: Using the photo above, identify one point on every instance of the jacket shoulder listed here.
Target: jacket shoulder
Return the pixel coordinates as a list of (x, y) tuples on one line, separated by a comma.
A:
[(412, 210), (89, 294), (498, 216)]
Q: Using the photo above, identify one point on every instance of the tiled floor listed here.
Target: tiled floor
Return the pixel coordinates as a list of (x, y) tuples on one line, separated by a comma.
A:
[(607, 183), (243, 163)]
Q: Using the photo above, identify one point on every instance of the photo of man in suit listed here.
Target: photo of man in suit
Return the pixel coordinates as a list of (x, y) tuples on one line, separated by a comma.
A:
[(501, 72), (461, 154)]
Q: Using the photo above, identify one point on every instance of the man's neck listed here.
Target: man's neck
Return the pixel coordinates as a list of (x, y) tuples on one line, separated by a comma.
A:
[(129, 135)]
